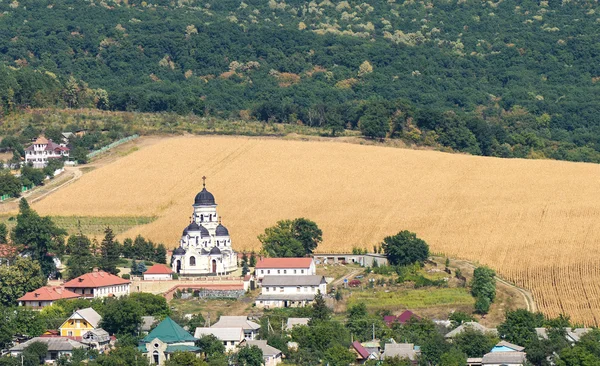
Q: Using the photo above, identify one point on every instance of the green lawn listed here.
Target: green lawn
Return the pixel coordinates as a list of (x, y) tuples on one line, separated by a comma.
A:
[(411, 298), (90, 225)]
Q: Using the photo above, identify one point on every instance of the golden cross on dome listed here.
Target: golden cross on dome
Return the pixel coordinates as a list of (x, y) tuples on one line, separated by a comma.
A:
[(203, 181)]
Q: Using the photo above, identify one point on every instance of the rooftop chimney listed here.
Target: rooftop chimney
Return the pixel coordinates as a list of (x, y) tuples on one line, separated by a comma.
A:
[(95, 269)]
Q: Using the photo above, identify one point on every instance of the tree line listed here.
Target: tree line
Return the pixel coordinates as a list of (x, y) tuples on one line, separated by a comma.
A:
[(477, 78)]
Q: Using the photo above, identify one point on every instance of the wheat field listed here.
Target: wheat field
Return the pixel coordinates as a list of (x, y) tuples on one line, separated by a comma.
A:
[(536, 222)]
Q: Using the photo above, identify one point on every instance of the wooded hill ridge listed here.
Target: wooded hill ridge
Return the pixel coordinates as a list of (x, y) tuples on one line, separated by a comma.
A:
[(508, 78)]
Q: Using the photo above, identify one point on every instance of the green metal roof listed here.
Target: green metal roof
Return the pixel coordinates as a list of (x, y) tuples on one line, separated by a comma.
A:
[(142, 348), (169, 332), (181, 347)]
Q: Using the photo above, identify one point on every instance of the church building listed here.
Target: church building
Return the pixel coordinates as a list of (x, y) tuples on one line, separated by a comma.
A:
[(205, 245)]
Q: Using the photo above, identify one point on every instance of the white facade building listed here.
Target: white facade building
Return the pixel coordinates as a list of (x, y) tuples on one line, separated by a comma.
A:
[(205, 245), (290, 291), (98, 284), (285, 267), (42, 150)]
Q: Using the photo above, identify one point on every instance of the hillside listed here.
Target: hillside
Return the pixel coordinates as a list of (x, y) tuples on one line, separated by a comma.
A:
[(536, 222), (507, 78)]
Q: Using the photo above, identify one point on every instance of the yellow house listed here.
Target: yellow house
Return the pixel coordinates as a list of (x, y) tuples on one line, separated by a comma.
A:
[(80, 322)]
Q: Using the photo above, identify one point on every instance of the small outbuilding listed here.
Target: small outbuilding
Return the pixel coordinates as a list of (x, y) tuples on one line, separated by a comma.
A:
[(158, 272)]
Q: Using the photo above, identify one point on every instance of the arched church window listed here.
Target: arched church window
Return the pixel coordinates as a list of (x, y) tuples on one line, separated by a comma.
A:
[(192, 261), (210, 217), (202, 217), (156, 358)]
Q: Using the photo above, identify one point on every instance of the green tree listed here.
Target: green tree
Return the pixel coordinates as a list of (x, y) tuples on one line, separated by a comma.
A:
[(122, 316), (291, 238), (405, 248), (34, 354), (454, 357), (459, 317), (483, 283), (22, 276), (252, 262), (482, 305), (134, 268), (249, 356), (109, 252), (245, 269), (39, 237), (519, 326), (474, 343), (374, 123), (9, 184), (81, 260), (121, 356), (7, 327), (210, 346), (152, 305), (160, 254), (308, 233), (320, 310), (184, 359), (339, 355)]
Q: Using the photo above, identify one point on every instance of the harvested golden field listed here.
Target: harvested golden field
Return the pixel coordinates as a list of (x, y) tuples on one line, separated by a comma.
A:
[(536, 222)]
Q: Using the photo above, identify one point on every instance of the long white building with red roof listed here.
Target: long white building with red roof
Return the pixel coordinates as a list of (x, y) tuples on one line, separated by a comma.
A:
[(285, 267), (42, 150), (46, 296), (98, 284)]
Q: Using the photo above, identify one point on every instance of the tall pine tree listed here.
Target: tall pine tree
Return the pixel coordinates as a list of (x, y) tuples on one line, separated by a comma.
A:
[(81, 260), (110, 252)]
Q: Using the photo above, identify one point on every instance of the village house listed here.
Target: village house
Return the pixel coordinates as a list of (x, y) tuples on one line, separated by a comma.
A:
[(57, 347), (271, 355), (231, 337), (512, 358), (362, 354), (401, 350), (285, 267), (290, 291), (158, 272), (80, 322), (406, 315), (97, 339), (45, 296), (167, 338), (292, 322), (42, 150), (249, 328), (8, 253), (469, 325), (98, 284)]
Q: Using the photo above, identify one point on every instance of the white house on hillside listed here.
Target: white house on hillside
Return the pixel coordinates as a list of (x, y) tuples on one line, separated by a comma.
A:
[(290, 291), (285, 267), (42, 150)]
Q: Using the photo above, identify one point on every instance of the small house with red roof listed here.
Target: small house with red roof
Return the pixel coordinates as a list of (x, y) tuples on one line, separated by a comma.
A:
[(45, 296), (389, 320), (42, 150), (158, 272), (362, 353), (285, 267), (98, 284), (7, 254)]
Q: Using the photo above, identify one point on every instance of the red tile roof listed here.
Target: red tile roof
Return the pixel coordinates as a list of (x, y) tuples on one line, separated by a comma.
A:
[(7, 251), (158, 269), (362, 351), (48, 293), (284, 263), (96, 279), (402, 318)]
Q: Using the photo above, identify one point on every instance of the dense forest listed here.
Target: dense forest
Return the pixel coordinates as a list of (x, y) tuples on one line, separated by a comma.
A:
[(507, 78)]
